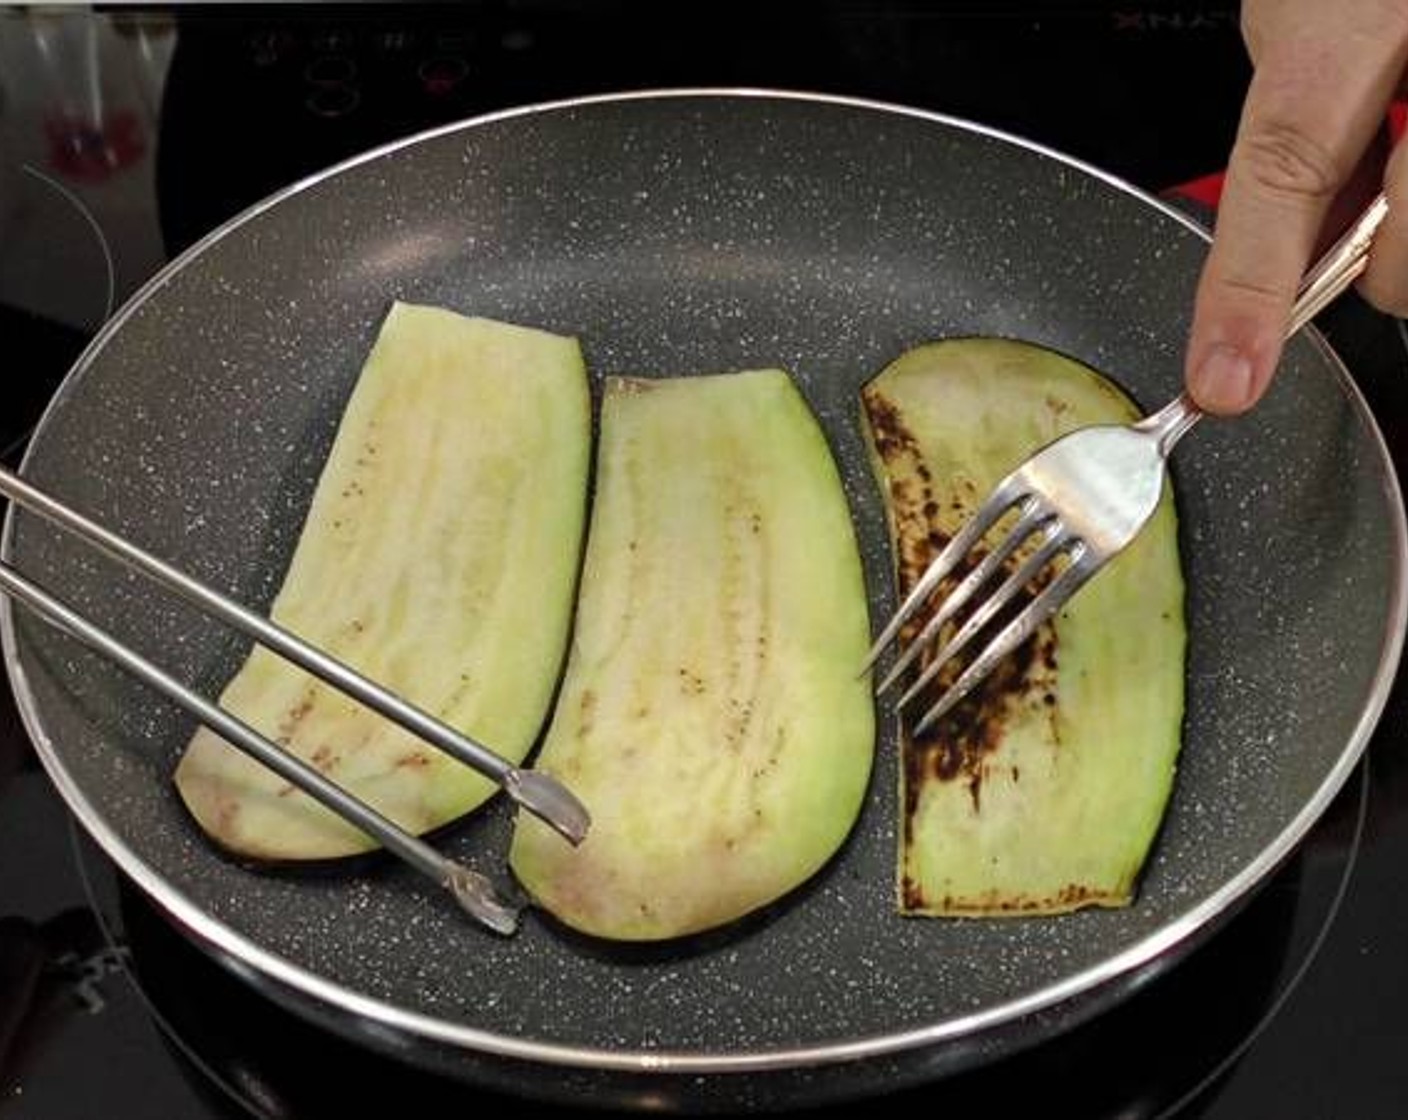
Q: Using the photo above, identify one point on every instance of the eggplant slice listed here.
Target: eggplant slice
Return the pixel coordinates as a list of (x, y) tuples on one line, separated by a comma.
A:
[(440, 558), (1043, 792), (712, 715)]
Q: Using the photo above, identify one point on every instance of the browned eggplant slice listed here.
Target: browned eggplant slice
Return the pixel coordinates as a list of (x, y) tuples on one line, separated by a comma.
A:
[(1043, 793)]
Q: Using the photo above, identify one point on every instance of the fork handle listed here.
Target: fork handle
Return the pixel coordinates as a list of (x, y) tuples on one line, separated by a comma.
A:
[(1339, 267), (1171, 423)]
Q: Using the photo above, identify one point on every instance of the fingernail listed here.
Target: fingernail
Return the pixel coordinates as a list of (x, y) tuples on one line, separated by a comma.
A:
[(1222, 382)]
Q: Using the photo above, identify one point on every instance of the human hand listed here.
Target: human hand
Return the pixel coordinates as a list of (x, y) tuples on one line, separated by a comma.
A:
[(1325, 72)]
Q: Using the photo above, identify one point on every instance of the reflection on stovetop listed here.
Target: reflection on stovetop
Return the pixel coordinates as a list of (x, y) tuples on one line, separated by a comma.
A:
[(1294, 1009)]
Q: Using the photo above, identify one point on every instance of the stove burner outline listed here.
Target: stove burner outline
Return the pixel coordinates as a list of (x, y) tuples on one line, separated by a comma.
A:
[(78, 204)]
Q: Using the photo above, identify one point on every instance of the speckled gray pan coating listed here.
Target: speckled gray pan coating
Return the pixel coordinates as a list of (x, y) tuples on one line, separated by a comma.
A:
[(677, 235)]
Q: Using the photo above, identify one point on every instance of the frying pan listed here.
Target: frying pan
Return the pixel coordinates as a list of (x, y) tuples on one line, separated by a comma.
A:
[(681, 232)]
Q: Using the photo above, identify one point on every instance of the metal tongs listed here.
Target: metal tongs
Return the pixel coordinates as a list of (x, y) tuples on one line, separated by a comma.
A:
[(537, 792)]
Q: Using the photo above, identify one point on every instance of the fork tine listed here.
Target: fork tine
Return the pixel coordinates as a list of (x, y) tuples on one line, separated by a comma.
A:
[(1053, 543), (1031, 516), (1047, 602), (1004, 496)]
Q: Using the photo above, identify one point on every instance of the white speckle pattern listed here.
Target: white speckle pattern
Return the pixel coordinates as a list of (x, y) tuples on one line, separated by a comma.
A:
[(696, 235)]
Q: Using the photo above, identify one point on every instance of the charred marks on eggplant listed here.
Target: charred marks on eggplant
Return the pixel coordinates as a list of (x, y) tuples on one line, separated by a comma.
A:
[(586, 713), (962, 745), (1073, 896), (692, 682), (296, 715), (917, 514), (746, 612)]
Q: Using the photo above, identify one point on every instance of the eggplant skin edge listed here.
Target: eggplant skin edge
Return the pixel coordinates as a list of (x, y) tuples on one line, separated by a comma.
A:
[(1044, 793)]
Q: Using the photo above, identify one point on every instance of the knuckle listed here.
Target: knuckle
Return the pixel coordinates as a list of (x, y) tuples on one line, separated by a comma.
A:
[(1244, 285), (1283, 159), (1253, 291)]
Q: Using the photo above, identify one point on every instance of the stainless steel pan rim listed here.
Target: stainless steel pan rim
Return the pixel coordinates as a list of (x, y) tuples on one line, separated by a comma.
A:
[(243, 954)]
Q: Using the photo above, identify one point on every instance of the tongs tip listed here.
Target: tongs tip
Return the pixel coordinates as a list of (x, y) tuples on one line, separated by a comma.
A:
[(547, 798), (477, 898)]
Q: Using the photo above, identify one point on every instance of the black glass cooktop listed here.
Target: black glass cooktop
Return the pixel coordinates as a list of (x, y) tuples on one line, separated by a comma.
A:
[(127, 133)]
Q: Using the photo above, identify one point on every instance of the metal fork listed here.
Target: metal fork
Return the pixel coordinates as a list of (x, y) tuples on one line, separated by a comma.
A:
[(1084, 496)]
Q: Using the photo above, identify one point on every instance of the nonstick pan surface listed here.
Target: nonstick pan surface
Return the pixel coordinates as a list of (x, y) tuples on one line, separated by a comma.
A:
[(686, 232)]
